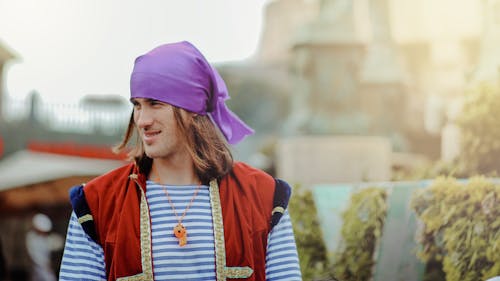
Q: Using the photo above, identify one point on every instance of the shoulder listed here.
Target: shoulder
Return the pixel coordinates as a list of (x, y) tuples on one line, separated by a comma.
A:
[(253, 177), (99, 183), (113, 178), (265, 186), (243, 170), (86, 198), (246, 180), (113, 175), (84, 195)]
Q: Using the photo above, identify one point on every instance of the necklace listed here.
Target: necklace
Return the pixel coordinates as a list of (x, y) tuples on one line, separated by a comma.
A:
[(180, 231)]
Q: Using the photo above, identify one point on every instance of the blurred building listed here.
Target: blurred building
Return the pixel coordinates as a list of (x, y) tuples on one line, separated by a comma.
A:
[(388, 68), (45, 149), (353, 60), (5, 55), (313, 160), (36, 182)]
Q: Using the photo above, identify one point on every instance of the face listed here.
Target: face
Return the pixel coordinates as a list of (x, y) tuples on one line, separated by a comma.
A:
[(157, 128)]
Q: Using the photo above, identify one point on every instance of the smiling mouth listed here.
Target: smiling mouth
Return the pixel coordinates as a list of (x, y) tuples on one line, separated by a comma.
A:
[(148, 137), (151, 134)]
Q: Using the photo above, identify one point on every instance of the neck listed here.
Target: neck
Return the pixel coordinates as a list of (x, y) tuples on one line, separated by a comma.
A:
[(166, 171)]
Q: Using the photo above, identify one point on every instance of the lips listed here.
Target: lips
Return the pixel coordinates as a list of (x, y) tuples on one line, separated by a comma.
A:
[(149, 136)]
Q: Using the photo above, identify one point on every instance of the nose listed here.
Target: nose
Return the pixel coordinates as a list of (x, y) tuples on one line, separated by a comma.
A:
[(143, 118)]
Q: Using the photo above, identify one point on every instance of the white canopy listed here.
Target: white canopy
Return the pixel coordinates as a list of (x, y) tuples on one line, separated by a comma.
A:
[(28, 167)]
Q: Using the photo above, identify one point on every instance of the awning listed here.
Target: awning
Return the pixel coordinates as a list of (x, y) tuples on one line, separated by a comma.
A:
[(27, 167)]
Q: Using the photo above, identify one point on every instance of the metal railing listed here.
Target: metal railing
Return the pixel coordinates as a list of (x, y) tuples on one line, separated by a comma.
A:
[(104, 118)]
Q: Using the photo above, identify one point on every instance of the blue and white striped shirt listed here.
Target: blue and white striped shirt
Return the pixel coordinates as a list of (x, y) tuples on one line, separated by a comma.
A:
[(83, 259)]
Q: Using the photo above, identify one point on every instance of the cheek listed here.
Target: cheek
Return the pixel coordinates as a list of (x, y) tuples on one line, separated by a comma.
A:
[(136, 115)]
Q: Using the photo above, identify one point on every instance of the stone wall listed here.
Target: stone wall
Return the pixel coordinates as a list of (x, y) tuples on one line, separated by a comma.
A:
[(327, 159)]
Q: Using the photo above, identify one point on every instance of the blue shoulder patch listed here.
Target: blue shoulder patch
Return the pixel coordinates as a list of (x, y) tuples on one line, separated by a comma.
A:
[(282, 195), (82, 211)]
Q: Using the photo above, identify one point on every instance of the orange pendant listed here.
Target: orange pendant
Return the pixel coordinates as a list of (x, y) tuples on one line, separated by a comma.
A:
[(181, 234)]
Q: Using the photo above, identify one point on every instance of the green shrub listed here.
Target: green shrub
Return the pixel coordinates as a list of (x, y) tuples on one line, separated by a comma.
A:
[(308, 235), (363, 223), (431, 171), (461, 227), (480, 126)]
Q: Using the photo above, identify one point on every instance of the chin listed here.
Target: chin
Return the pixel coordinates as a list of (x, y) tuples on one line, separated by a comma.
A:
[(155, 153), (151, 154)]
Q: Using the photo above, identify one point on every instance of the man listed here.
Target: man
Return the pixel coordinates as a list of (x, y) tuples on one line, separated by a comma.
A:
[(40, 243), (182, 210)]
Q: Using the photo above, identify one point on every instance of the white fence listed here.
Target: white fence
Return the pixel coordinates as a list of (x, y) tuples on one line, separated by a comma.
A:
[(107, 119)]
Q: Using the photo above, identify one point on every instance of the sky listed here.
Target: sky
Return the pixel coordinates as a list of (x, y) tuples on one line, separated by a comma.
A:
[(70, 48)]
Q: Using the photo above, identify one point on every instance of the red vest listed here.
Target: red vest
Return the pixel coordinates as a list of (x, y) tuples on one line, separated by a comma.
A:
[(246, 196)]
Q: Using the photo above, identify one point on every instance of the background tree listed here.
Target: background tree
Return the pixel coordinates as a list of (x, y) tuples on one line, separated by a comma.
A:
[(480, 125), (308, 235)]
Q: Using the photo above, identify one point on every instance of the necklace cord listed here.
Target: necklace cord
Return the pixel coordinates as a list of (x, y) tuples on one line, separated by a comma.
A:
[(172, 204), (170, 200)]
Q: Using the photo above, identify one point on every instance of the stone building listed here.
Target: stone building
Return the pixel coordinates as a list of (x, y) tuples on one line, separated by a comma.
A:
[(374, 68), (351, 61)]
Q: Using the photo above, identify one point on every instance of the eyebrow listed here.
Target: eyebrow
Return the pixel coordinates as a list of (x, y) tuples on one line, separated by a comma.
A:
[(146, 99)]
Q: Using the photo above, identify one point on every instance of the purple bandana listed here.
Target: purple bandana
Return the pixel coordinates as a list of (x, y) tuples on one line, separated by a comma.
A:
[(178, 74)]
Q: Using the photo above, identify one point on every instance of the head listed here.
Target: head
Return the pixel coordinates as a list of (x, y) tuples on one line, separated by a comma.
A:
[(181, 129), (179, 100), (41, 223)]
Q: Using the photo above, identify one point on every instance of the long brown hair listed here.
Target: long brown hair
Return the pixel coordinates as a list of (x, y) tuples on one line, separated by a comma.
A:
[(212, 158)]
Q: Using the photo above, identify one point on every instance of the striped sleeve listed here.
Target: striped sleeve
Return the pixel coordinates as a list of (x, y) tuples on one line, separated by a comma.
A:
[(83, 259), (282, 261)]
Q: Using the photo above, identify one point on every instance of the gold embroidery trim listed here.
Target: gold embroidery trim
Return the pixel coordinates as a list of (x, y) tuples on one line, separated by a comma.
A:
[(221, 270), (137, 277), (145, 226), (220, 248), (278, 209), (85, 218), (146, 254), (238, 272)]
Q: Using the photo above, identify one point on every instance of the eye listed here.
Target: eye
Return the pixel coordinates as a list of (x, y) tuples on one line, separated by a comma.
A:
[(136, 104), (155, 103)]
